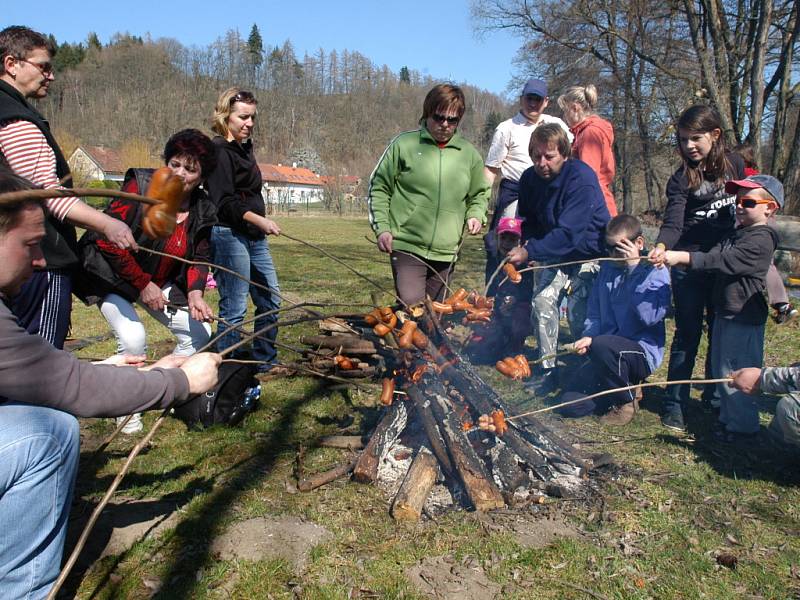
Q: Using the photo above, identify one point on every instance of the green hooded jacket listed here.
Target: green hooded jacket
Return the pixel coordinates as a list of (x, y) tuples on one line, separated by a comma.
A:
[(423, 194)]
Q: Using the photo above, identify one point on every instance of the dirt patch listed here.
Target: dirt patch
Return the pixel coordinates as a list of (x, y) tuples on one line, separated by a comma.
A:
[(528, 530), (261, 538), (443, 578)]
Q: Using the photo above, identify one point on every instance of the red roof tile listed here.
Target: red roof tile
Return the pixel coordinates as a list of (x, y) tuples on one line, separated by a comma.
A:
[(283, 174), (108, 159)]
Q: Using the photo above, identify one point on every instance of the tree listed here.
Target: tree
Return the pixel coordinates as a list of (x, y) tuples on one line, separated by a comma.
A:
[(405, 76), (255, 46), (93, 42)]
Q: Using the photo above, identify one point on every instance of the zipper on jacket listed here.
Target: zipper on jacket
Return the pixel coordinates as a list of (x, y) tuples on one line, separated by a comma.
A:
[(438, 203)]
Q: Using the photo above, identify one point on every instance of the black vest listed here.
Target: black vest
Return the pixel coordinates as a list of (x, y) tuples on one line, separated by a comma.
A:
[(60, 242)]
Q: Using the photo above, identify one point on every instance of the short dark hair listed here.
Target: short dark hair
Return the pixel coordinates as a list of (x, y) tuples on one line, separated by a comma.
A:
[(550, 133), (444, 97), (624, 224), (10, 211), (19, 41), (196, 145)]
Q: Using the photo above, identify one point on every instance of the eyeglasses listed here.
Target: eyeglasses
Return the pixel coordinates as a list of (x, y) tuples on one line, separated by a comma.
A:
[(533, 97), (442, 119), (746, 202), (45, 69)]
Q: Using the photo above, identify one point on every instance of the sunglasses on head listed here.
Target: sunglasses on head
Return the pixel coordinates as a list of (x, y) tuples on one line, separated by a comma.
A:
[(442, 119), (747, 202), (245, 97)]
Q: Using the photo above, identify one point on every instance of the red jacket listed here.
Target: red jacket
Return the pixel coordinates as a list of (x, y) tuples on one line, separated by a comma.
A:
[(594, 139)]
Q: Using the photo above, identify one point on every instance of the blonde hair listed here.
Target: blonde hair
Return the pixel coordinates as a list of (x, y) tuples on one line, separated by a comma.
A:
[(224, 107), (586, 96)]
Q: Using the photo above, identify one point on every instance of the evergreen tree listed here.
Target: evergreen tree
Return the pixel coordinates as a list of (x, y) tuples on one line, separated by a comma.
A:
[(255, 46), (93, 41), (405, 75)]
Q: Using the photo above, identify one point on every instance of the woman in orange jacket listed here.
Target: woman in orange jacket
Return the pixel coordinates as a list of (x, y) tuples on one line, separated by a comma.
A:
[(594, 136)]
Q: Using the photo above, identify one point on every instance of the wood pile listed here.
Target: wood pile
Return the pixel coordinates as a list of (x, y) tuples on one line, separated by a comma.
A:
[(429, 386)]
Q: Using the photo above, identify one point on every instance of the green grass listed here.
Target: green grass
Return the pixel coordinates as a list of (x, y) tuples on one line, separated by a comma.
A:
[(675, 502)]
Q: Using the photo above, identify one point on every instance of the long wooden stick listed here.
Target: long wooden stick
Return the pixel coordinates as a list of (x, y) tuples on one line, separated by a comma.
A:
[(619, 389), (44, 194)]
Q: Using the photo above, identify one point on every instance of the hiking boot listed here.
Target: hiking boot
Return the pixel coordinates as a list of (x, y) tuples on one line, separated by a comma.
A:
[(784, 313), (672, 418), (620, 414)]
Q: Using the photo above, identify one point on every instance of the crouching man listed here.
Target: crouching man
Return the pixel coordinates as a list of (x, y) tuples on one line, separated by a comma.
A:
[(785, 426), (624, 333), (42, 388)]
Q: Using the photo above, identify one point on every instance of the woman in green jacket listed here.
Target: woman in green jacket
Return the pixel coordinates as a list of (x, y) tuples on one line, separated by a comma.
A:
[(426, 188)]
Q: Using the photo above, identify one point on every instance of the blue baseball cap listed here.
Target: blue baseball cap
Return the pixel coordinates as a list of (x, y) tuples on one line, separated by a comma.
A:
[(535, 86), (771, 185)]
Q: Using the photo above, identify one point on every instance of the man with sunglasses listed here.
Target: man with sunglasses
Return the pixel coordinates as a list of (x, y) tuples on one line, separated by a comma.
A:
[(28, 147), (740, 262), (508, 158)]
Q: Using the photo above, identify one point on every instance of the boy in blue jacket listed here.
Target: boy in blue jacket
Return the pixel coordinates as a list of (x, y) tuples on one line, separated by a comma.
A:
[(624, 333)]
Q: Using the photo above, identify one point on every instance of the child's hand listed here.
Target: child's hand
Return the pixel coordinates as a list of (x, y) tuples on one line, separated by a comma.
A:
[(656, 255)]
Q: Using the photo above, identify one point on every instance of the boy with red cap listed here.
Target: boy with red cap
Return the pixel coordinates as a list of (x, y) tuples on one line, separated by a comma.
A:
[(740, 262)]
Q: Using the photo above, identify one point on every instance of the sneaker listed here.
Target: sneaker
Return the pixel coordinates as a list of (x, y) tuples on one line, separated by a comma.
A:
[(784, 313), (620, 414), (673, 419), (133, 426)]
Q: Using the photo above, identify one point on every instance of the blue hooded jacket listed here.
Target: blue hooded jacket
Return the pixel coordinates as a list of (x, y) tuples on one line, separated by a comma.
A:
[(631, 303)]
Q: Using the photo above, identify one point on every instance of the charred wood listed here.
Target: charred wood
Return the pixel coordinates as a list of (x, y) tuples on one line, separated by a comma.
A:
[(389, 428)]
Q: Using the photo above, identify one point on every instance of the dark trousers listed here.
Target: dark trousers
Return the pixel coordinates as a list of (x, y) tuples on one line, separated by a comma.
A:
[(613, 362), (415, 278), (692, 298), (507, 193), (44, 304)]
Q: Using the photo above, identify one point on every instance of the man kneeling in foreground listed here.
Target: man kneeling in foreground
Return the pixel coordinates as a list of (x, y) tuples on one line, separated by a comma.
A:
[(42, 388), (624, 332)]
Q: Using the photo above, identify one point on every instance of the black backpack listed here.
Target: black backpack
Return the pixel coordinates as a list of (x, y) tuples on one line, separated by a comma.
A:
[(235, 395)]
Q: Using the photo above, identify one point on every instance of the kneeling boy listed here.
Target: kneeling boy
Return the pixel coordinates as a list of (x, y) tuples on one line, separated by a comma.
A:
[(624, 332)]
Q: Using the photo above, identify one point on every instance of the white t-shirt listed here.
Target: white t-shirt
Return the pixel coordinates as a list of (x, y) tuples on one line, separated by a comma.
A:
[(509, 149)]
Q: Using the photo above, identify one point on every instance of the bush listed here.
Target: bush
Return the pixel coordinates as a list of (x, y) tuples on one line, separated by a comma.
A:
[(100, 202)]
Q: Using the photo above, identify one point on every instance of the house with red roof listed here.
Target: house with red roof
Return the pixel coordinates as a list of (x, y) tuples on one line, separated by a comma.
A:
[(97, 163), (285, 185)]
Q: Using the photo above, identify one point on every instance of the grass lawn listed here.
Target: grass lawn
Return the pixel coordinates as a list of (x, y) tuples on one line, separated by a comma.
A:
[(675, 503)]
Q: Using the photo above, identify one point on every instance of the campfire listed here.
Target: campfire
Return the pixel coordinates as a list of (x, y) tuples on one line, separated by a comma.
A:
[(427, 448)]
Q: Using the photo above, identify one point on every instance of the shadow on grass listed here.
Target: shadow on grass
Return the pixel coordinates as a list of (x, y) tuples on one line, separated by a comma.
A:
[(196, 532), (757, 459)]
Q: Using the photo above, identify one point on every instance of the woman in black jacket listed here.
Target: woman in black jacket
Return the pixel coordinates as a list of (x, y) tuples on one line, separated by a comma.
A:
[(699, 213), (239, 239)]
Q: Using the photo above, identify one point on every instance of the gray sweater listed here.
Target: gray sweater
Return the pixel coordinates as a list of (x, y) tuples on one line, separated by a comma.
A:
[(34, 372)]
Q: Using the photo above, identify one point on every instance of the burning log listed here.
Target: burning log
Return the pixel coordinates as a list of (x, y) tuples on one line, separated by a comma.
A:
[(424, 413), (390, 426), (416, 487)]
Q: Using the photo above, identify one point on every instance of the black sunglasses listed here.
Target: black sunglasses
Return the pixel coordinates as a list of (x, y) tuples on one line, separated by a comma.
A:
[(441, 119)]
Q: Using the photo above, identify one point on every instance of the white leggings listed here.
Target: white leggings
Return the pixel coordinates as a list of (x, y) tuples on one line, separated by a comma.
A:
[(191, 335)]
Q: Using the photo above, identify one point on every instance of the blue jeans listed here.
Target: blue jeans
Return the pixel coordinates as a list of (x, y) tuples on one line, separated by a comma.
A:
[(691, 294), (39, 450), (737, 346), (251, 259)]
